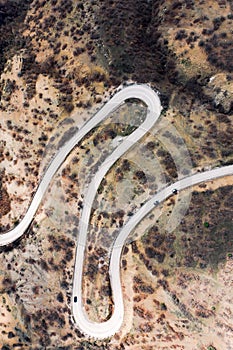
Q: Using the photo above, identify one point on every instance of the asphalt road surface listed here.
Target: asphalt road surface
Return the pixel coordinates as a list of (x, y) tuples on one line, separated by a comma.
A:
[(151, 99), (110, 327)]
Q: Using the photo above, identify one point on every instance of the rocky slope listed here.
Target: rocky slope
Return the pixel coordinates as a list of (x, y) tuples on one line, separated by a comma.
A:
[(59, 61)]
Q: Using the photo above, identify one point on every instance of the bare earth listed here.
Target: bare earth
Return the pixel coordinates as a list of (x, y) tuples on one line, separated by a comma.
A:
[(177, 265)]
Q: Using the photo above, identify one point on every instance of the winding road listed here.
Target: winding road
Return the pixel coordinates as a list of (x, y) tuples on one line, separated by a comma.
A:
[(151, 99)]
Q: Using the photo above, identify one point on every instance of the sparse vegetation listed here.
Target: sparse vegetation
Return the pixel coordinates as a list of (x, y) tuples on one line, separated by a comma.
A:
[(57, 60)]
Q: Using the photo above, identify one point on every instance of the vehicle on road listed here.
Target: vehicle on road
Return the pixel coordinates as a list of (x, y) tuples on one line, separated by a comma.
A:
[(109, 327)]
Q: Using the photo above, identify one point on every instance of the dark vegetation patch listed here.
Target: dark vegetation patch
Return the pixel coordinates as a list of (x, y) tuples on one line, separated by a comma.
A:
[(65, 247), (93, 260), (206, 233), (4, 198), (133, 34), (45, 28), (96, 269), (141, 287), (156, 247), (43, 321), (204, 239), (218, 46), (134, 52), (12, 14)]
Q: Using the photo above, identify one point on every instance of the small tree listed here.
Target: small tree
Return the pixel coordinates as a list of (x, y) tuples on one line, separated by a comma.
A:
[(211, 347)]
